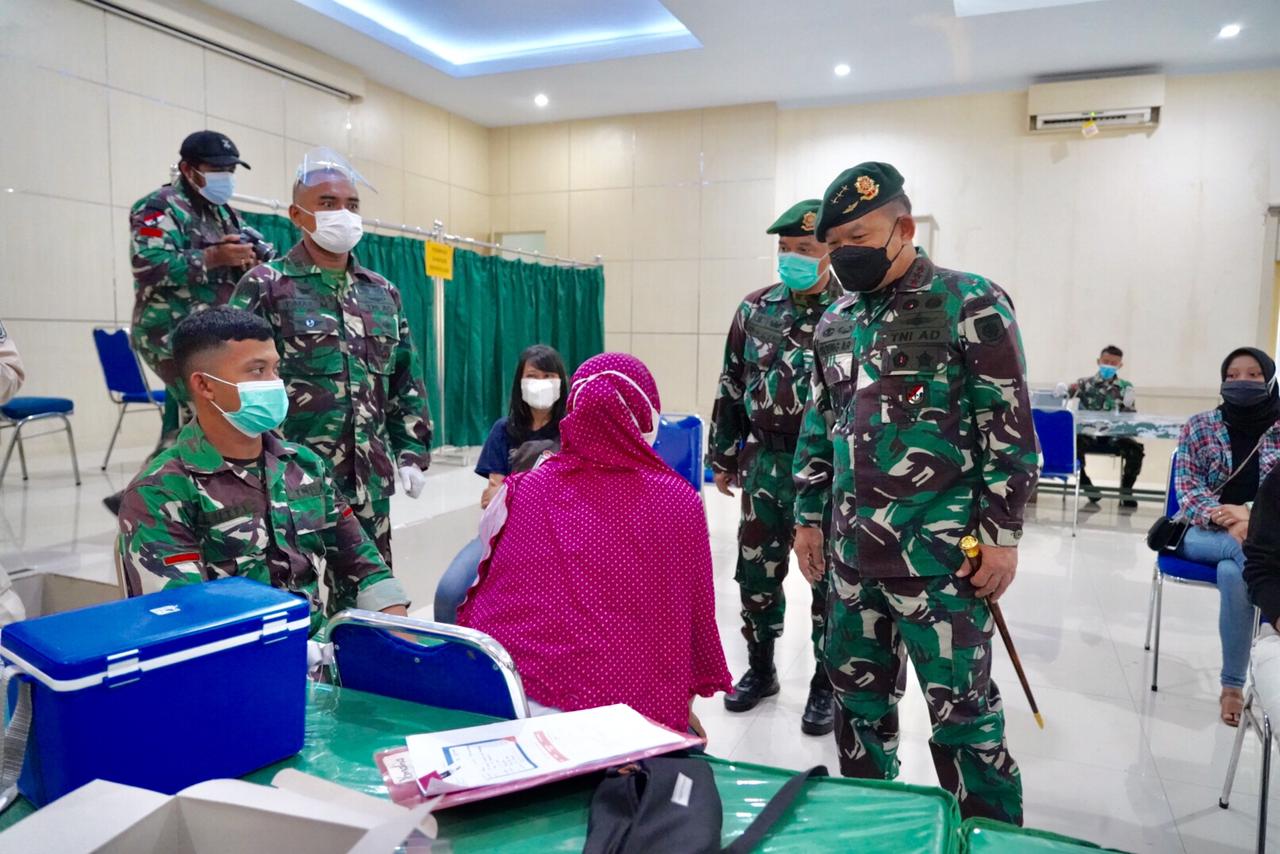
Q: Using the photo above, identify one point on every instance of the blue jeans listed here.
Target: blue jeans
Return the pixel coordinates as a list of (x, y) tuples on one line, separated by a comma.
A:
[(1235, 613), (457, 580)]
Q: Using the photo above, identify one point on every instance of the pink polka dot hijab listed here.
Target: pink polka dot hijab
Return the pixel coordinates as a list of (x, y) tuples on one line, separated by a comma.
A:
[(598, 581)]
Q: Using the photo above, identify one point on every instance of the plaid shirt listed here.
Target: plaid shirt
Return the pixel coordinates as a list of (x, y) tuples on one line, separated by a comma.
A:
[(1204, 464)]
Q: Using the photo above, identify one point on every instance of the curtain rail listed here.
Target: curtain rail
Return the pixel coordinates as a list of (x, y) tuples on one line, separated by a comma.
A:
[(436, 232)]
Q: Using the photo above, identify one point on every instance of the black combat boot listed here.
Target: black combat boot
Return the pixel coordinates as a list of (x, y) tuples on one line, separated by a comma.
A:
[(819, 712), (760, 680)]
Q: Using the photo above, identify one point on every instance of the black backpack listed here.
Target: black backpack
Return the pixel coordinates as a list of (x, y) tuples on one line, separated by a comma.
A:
[(672, 804)]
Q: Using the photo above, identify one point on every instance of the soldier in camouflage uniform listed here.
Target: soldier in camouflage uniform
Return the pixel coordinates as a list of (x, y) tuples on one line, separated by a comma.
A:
[(232, 499), (918, 432), (1106, 392), (754, 426), (355, 383)]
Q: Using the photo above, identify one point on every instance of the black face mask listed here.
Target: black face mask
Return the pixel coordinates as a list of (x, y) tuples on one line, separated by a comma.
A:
[(1244, 393), (862, 268)]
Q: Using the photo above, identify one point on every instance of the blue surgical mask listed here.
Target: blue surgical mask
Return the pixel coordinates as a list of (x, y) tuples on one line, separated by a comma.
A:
[(1107, 372), (263, 406), (798, 272), (218, 187)]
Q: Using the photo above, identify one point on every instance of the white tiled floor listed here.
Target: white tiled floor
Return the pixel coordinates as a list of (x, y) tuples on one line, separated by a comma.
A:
[(1116, 764)]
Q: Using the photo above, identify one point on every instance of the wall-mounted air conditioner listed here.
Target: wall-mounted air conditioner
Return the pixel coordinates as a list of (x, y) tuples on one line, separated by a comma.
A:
[(1096, 104)]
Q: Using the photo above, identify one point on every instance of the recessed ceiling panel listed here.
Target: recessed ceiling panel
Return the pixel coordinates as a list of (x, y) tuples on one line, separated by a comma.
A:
[(467, 38), (970, 8)]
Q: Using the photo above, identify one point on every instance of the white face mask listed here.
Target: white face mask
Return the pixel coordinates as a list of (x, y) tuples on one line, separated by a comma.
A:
[(336, 231), (218, 187), (652, 436), (540, 394), (654, 417)]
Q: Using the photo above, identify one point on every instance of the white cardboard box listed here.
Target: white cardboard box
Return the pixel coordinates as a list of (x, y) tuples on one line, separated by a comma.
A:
[(305, 815)]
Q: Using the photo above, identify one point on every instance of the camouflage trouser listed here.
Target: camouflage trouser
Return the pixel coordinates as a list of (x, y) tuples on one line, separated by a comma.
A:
[(765, 535), (375, 518), (873, 626)]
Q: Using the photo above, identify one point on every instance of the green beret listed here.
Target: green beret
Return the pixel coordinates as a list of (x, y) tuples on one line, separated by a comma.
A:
[(798, 220), (857, 192)]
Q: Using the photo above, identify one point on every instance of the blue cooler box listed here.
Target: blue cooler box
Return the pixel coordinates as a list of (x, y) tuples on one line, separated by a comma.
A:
[(162, 691)]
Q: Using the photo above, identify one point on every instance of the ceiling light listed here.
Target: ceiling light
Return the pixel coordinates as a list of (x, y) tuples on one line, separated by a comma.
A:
[(842, 70), (1230, 31), (541, 100)]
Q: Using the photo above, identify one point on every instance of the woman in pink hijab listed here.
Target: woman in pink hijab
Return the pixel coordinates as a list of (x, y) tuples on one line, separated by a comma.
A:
[(597, 578)]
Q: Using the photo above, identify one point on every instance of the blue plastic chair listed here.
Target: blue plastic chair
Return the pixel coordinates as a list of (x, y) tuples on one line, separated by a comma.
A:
[(1175, 569), (680, 445), (450, 667), (21, 411), (1056, 429), (126, 382)]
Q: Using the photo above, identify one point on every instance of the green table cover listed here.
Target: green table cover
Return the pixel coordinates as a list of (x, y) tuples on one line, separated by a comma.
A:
[(983, 836)]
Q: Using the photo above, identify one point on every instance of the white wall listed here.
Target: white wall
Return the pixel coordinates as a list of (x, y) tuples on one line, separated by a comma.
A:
[(95, 108)]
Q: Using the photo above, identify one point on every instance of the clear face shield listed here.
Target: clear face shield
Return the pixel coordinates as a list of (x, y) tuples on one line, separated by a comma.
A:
[(319, 164)]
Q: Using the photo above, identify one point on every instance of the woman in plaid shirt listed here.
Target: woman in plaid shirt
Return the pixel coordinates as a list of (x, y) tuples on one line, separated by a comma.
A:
[(1223, 455)]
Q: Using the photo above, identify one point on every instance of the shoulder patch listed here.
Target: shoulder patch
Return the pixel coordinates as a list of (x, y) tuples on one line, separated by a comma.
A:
[(990, 328)]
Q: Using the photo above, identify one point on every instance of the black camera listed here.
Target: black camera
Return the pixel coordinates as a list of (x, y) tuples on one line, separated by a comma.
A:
[(262, 250)]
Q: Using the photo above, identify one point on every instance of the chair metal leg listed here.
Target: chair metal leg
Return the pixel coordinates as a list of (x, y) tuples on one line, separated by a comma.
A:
[(7, 455), (1075, 516), (1266, 784), (71, 440), (1155, 655), (1151, 608), (22, 452), (112, 444), (1246, 723)]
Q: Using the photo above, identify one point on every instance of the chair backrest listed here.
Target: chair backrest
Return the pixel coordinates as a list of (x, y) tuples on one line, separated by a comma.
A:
[(120, 366), (680, 445), (1057, 432), (1171, 506), (450, 667)]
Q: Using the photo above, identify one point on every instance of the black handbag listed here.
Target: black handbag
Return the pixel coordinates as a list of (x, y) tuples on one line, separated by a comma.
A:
[(1165, 536), (671, 803)]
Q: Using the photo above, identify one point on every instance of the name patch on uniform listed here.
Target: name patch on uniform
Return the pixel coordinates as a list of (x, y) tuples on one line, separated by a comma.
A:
[(835, 338), (767, 328), (306, 490), (226, 514)]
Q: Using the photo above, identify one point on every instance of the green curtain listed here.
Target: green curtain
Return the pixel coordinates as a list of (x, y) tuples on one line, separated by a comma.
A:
[(495, 308), (399, 260)]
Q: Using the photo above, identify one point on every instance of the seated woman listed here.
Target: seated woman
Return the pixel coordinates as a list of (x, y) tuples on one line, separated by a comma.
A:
[(597, 575), (1223, 455), (517, 440)]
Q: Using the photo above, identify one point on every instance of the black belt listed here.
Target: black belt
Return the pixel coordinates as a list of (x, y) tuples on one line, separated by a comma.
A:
[(781, 442)]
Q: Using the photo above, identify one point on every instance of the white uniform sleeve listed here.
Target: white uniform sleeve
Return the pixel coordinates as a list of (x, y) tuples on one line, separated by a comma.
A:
[(11, 370)]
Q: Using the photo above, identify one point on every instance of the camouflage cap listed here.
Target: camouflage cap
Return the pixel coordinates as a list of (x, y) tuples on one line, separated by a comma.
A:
[(856, 192), (798, 220)]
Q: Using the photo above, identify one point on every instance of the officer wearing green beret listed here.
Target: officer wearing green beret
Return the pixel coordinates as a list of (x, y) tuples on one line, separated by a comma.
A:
[(754, 427), (918, 432)]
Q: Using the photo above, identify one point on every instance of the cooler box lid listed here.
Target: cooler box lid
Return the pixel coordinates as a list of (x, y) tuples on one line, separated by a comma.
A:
[(79, 649)]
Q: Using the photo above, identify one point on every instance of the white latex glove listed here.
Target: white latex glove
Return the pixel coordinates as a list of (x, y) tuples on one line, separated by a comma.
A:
[(1060, 390), (413, 480), (1265, 664)]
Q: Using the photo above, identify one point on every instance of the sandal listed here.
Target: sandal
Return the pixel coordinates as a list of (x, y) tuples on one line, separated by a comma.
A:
[(1231, 705)]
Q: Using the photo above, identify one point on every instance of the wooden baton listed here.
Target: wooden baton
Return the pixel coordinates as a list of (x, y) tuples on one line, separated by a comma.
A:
[(969, 545)]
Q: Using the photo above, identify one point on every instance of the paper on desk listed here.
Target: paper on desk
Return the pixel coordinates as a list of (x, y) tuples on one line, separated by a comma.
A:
[(478, 762)]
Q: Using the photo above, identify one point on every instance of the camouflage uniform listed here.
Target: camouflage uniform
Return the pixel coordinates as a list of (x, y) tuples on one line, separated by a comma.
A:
[(170, 229), (1113, 395), (759, 405), (356, 392), (193, 516), (919, 432)]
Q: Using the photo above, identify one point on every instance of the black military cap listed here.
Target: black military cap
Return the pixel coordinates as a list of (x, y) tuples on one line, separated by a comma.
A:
[(209, 146), (798, 220), (856, 192)]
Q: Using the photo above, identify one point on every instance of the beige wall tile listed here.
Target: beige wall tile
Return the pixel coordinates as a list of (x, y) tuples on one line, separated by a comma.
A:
[(739, 143), (666, 223), (244, 94), (499, 214), (57, 34), (617, 342), (539, 158), (56, 128), (64, 284), (265, 152), (617, 296), (664, 296), (668, 148), (425, 200), (734, 219), (377, 127), (386, 201), (710, 363), (600, 224), (468, 155), (548, 212), (145, 138), (313, 117), (499, 161), (149, 63), (426, 140), (469, 212), (672, 359), (601, 154), (723, 284)]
